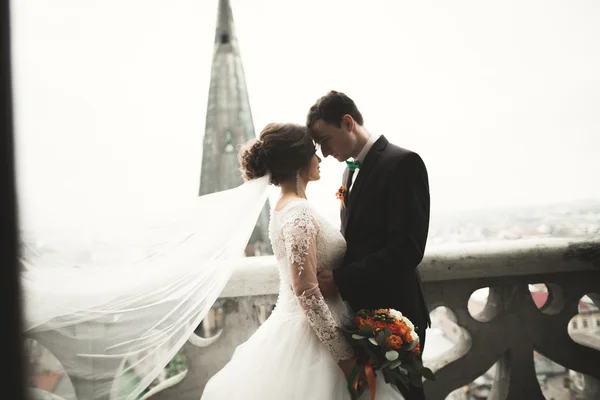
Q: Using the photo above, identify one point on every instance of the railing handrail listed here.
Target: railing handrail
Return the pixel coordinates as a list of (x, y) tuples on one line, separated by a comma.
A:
[(254, 276)]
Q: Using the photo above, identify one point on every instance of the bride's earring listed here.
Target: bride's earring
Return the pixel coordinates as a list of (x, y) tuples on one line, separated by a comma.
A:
[(298, 182)]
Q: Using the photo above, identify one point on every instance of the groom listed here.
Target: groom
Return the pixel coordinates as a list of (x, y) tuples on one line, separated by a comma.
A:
[(384, 214)]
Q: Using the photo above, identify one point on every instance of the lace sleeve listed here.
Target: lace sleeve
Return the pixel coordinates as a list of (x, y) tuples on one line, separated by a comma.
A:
[(299, 233)]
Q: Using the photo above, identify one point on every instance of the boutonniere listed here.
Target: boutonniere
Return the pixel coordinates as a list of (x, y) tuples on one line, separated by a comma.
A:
[(341, 195)]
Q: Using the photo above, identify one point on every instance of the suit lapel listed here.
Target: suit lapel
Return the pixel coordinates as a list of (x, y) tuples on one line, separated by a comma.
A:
[(344, 208), (366, 169)]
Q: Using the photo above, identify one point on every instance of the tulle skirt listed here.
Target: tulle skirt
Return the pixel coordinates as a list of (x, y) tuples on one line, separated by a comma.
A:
[(284, 360)]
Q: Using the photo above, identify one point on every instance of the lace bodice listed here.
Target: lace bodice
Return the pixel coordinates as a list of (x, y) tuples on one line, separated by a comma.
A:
[(303, 243)]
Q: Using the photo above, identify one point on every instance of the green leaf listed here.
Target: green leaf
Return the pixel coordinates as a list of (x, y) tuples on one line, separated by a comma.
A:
[(367, 330), (388, 332), (391, 355), (428, 374), (357, 337), (412, 345), (381, 338)]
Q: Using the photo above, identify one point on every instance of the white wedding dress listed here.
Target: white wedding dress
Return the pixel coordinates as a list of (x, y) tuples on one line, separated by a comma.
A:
[(294, 354)]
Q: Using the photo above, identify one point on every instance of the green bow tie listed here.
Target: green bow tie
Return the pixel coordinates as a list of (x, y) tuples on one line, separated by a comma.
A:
[(352, 165)]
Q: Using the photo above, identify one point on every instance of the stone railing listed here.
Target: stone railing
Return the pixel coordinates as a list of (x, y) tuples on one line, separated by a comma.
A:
[(506, 332), (511, 327)]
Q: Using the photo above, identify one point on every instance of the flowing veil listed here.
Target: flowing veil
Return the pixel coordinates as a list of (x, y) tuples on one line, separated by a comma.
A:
[(132, 293)]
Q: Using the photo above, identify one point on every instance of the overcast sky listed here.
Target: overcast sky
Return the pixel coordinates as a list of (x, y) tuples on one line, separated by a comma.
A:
[(500, 98)]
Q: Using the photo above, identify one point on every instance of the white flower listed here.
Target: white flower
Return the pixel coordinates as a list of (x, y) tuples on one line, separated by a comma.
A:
[(396, 314), (408, 323), (414, 335)]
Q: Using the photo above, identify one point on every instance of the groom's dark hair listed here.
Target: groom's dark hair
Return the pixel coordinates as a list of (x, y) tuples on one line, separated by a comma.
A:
[(331, 108)]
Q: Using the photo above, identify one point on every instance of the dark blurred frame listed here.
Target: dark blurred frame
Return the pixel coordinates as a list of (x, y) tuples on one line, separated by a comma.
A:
[(12, 378)]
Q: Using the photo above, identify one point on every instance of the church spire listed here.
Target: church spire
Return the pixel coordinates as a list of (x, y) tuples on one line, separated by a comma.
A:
[(225, 28), (228, 121)]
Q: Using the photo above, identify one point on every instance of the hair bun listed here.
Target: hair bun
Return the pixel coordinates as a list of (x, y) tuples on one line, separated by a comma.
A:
[(253, 160)]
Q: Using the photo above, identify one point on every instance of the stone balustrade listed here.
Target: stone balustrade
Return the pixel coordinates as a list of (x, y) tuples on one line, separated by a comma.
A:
[(506, 331)]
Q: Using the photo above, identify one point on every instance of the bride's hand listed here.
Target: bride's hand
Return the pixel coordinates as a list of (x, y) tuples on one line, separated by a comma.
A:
[(346, 366)]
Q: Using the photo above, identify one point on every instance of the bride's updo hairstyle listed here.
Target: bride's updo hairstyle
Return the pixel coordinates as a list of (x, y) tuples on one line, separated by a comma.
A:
[(281, 150)]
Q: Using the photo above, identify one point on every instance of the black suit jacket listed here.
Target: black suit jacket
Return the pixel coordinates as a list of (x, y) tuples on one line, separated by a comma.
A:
[(385, 225)]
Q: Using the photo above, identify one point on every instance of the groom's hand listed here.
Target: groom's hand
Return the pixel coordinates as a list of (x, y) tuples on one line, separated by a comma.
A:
[(326, 282)]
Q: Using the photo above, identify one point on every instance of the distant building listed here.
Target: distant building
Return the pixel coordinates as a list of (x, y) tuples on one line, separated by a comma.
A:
[(587, 321)]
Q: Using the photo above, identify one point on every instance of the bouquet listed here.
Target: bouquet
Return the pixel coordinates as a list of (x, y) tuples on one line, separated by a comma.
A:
[(386, 340)]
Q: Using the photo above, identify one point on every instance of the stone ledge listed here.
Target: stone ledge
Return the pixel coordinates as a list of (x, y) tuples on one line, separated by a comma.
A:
[(258, 275)]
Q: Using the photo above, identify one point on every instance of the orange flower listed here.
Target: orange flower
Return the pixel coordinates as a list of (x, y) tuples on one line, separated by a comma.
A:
[(396, 328), (379, 324), (400, 329), (341, 193), (371, 322), (404, 331), (360, 322), (393, 342)]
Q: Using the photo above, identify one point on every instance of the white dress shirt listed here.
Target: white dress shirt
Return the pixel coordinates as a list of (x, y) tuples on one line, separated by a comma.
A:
[(361, 156)]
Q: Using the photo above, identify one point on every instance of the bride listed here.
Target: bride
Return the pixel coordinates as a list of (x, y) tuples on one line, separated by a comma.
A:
[(298, 353)]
